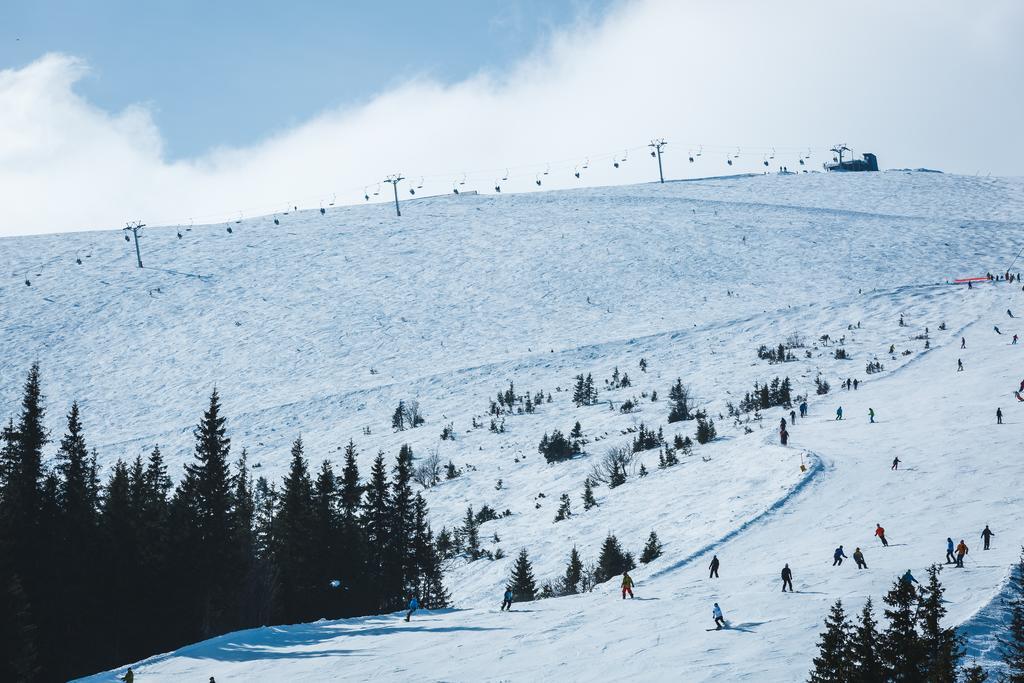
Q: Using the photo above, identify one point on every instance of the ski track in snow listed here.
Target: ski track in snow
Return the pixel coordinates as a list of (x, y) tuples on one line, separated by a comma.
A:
[(464, 295)]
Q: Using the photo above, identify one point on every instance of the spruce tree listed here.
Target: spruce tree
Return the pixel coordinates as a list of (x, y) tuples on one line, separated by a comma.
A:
[(942, 646), (120, 547), (612, 561), (864, 648), (351, 489), (326, 534), (705, 428), (376, 519), (679, 398), (295, 547), (573, 573), (588, 495), (1013, 642), (564, 508), (902, 651), (652, 549), (832, 665), (400, 569), (522, 584), (471, 535)]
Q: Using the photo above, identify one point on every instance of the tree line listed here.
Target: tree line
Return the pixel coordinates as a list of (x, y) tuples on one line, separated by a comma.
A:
[(95, 573)]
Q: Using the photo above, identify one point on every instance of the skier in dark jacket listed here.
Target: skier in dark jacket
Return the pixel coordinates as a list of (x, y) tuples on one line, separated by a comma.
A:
[(784, 437), (839, 413), (999, 416), (803, 404), (506, 602), (858, 557), (792, 417), (987, 535), (128, 676), (896, 463), (713, 567), (959, 365), (414, 605), (787, 578), (908, 578), (950, 557), (837, 556)]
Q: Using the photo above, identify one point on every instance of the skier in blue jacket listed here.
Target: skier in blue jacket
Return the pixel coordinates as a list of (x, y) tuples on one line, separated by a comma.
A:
[(506, 603), (950, 557), (837, 556)]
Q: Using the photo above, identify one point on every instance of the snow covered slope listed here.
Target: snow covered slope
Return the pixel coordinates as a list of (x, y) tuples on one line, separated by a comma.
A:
[(462, 295)]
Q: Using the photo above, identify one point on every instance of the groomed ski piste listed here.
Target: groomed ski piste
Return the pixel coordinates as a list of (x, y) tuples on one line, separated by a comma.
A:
[(461, 296)]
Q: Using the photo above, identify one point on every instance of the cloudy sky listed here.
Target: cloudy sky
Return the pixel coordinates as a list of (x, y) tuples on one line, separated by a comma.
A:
[(112, 112)]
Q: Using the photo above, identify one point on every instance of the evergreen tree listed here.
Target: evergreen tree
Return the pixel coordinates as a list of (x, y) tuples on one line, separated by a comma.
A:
[(652, 550), (326, 534), (864, 648), (429, 576), (376, 519), (1013, 643), (18, 657), (471, 535), (832, 665), (522, 584), (705, 428), (941, 645), (588, 495), (120, 550), (351, 489), (400, 569), (216, 551), (295, 547), (564, 508), (679, 397), (573, 573), (902, 651), (975, 674), (398, 417), (612, 561)]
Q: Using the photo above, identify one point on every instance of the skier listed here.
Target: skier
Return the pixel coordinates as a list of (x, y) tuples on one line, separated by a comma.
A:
[(414, 605), (719, 619), (803, 404), (506, 602), (896, 463), (880, 532), (128, 676), (782, 425), (856, 383), (871, 415), (1021, 385), (837, 556), (627, 585), (858, 557), (959, 365), (908, 578), (892, 348), (1009, 313), (950, 559), (987, 534), (839, 413), (999, 416), (784, 435), (996, 328), (1014, 339), (792, 417), (963, 342), (787, 578), (713, 567), (961, 550)]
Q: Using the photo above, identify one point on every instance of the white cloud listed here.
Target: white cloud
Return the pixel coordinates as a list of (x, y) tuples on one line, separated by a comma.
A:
[(918, 83)]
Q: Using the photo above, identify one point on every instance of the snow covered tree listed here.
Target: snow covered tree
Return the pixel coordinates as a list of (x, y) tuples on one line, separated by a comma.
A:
[(564, 508), (832, 665), (521, 583), (588, 495), (652, 549)]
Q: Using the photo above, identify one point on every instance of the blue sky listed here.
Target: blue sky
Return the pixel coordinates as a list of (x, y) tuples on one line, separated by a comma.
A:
[(227, 74)]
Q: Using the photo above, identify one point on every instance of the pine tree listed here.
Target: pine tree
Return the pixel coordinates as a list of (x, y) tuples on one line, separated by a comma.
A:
[(573, 573), (942, 646), (522, 584), (120, 548), (351, 489), (612, 561), (376, 519), (864, 648), (398, 417), (705, 428), (1013, 643), (294, 544), (652, 550), (326, 535), (832, 665), (902, 651), (564, 508), (400, 571), (588, 495), (679, 398), (471, 535)]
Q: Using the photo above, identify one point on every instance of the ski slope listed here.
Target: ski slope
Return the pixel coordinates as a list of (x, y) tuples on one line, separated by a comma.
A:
[(462, 295)]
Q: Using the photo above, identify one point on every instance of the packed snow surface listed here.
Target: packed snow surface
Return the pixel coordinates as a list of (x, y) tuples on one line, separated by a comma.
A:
[(320, 325)]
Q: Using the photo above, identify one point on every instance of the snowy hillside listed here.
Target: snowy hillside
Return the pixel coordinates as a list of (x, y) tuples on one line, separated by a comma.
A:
[(321, 325)]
